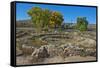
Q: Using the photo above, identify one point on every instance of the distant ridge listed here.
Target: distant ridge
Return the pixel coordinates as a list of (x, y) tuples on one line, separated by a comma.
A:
[(28, 23), (24, 23)]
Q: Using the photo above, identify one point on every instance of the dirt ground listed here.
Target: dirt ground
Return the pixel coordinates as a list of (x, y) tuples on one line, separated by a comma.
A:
[(57, 59)]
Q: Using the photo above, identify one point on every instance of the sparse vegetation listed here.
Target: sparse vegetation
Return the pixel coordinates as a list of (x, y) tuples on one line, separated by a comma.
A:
[(82, 23), (50, 39)]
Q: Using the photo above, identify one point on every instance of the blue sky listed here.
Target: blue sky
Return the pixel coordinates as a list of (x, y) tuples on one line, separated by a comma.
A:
[(70, 13)]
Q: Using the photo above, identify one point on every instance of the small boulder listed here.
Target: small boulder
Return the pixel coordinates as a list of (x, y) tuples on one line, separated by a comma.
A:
[(18, 52), (27, 50), (39, 54)]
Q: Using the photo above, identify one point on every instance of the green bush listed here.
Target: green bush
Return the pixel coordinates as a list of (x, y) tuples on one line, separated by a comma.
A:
[(82, 23), (83, 53)]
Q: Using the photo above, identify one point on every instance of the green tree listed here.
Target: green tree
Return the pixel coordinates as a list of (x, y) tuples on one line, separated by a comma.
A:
[(36, 15), (82, 23), (46, 17)]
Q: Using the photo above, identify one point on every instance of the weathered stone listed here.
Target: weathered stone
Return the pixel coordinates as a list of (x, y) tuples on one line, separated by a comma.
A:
[(39, 54), (27, 50), (43, 52), (90, 52), (88, 42), (18, 52)]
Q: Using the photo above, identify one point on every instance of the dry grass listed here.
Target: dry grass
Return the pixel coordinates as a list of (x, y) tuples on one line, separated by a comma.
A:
[(39, 43)]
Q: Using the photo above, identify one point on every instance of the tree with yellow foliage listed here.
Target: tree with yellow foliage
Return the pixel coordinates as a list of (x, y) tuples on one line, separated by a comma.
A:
[(44, 18), (56, 19)]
